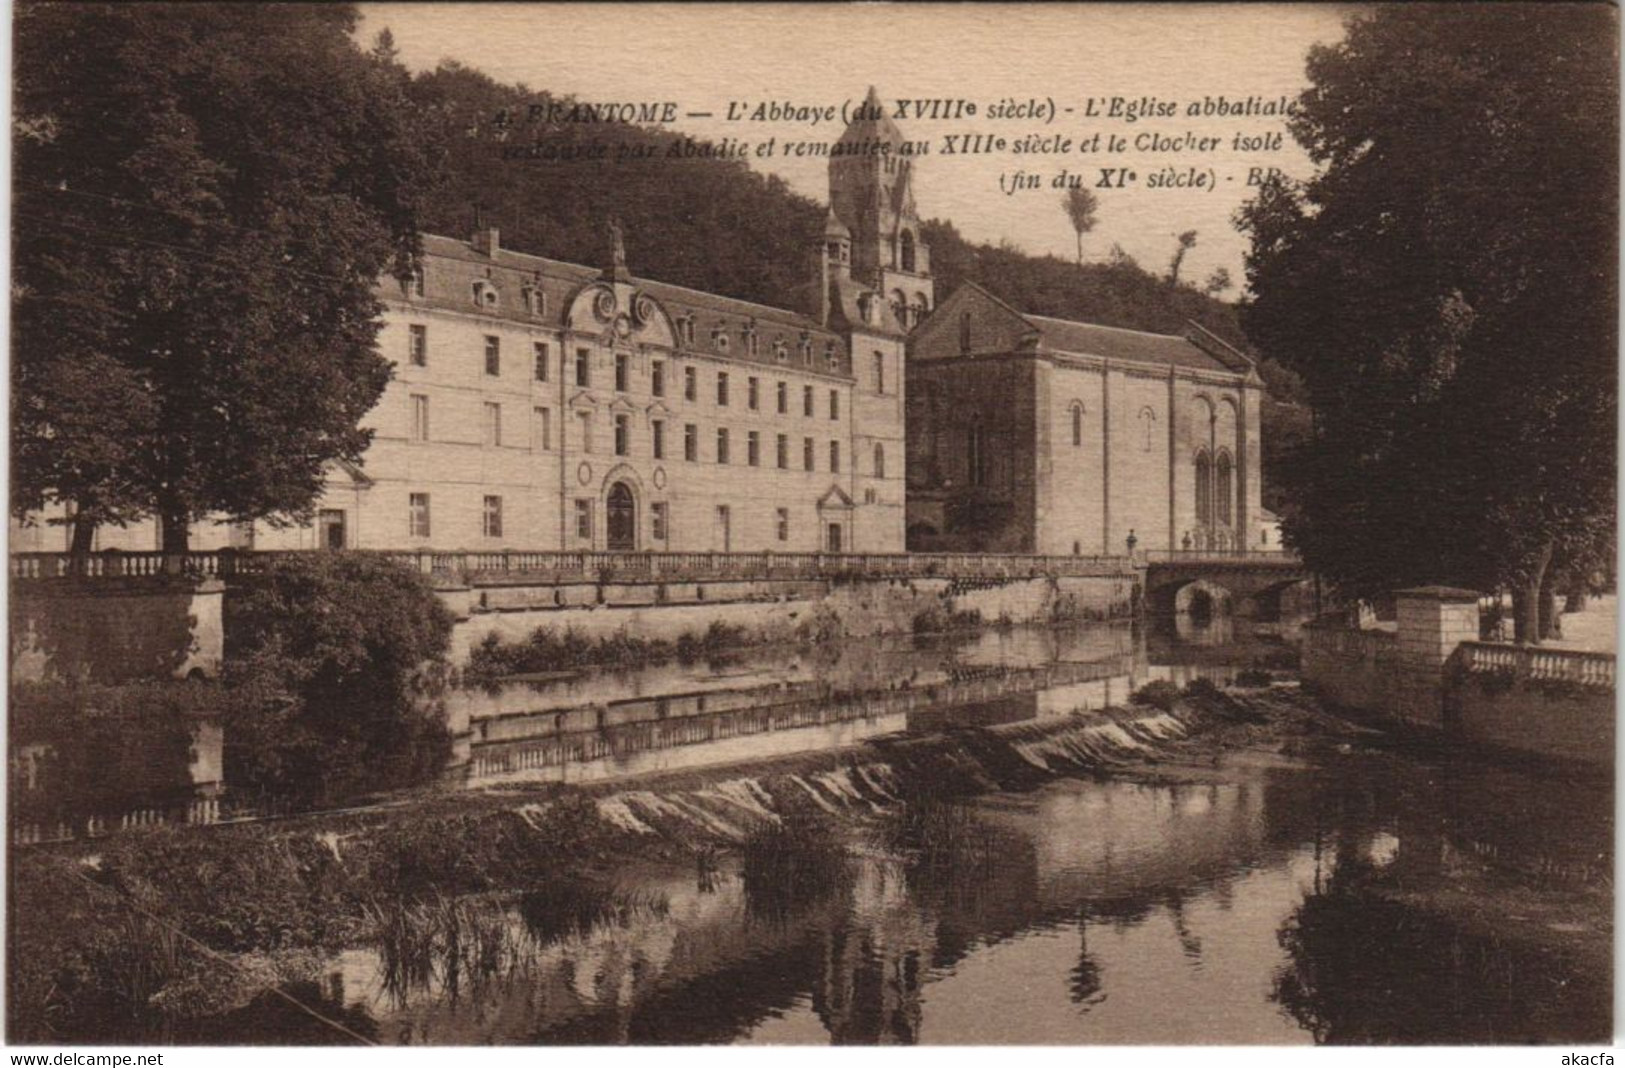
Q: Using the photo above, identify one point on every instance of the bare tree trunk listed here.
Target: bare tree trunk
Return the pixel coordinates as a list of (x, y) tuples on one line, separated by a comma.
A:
[(84, 536), (1080, 248), (176, 527), (1526, 599)]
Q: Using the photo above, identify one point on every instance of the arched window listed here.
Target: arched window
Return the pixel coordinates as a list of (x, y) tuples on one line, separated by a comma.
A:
[(899, 307), (1077, 423), (1148, 425), (920, 308), (908, 251), (1204, 489), (880, 460), (1223, 491)]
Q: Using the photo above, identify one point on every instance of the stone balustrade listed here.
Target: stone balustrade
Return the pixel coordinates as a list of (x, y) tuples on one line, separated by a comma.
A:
[(1539, 664), (622, 566)]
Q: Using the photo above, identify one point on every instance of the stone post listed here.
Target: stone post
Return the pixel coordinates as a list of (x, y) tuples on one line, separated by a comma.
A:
[(1433, 622)]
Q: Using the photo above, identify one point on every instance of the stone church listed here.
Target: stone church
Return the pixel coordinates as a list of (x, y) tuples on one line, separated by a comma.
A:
[(1028, 434)]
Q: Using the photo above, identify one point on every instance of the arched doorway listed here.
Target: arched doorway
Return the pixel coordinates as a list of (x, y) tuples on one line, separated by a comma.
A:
[(622, 519)]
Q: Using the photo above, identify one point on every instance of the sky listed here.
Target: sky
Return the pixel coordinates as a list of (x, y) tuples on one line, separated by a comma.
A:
[(704, 56)]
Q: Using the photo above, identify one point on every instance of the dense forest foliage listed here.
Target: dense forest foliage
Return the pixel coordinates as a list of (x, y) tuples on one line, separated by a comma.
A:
[(717, 225)]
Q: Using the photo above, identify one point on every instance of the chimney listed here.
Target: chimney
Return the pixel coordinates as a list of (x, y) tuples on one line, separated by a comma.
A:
[(486, 241)]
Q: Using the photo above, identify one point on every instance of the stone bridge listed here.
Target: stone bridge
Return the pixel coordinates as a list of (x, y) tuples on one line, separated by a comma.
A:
[(1253, 585)]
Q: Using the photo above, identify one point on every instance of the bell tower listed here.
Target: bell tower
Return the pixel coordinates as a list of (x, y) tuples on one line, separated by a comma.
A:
[(871, 192)]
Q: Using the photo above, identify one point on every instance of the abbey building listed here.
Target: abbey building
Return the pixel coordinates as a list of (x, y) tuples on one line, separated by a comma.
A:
[(543, 405)]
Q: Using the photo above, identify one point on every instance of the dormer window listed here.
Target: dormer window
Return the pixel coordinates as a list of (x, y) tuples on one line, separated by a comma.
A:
[(806, 348), (415, 284), (752, 344), (830, 356), (685, 330), (535, 300), (485, 294), (781, 351), (719, 337)]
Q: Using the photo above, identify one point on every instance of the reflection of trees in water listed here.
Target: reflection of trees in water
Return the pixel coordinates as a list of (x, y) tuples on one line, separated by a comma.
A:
[(1084, 982), (1365, 969), (791, 865)]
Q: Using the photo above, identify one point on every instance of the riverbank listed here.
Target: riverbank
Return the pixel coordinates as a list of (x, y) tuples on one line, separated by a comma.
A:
[(171, 925)]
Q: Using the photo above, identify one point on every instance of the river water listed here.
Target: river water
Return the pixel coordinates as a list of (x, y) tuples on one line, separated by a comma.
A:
[(1264, 899)]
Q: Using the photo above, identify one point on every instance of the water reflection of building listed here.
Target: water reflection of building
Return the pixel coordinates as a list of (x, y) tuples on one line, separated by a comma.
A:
[(598, 725)]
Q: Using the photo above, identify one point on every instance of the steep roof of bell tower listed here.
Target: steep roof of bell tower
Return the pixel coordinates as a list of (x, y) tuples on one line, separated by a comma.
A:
[(871, 123)]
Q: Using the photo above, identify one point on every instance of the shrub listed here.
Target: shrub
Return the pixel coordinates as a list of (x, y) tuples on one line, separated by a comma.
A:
[(1254, 677), (1202, 687), (339, 663), (1158, 694)]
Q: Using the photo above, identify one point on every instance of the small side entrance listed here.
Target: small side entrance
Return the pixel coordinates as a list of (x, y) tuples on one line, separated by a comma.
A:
[(622, 518), (832, 538)]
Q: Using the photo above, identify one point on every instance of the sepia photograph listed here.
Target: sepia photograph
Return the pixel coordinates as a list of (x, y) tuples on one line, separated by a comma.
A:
[(1075, 525)]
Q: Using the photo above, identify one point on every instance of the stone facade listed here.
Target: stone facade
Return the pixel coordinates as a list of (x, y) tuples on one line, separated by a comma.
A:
[(1032, 434), (540, 405)]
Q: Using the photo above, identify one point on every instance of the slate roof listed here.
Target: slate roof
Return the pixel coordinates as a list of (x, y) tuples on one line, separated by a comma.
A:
[(510, 272), (1116, 343)]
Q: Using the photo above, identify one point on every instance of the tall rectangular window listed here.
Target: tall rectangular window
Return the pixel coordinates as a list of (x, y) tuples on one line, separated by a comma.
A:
[(807, 456), (722, 444), (880, 372), (492, 525), (420, 417), (784, 451), (623, 434), (622, 372), (418, 345), (585, 420), (584, 519), (657, 524), (418, 515), (753, 393), (493, 424), (543, 429), (691, 384), (543, 356), (753, 449), (493, 355), (657, 378), (834, 404), (583, 367), (784, 524), (691, 442), (722, 389), (784, 398), (835, 457), (657, 438), (807, 401), (417, 282)]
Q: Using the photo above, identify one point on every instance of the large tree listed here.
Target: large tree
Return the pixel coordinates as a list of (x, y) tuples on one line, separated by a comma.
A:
[(204, 197), (1445, 285)]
